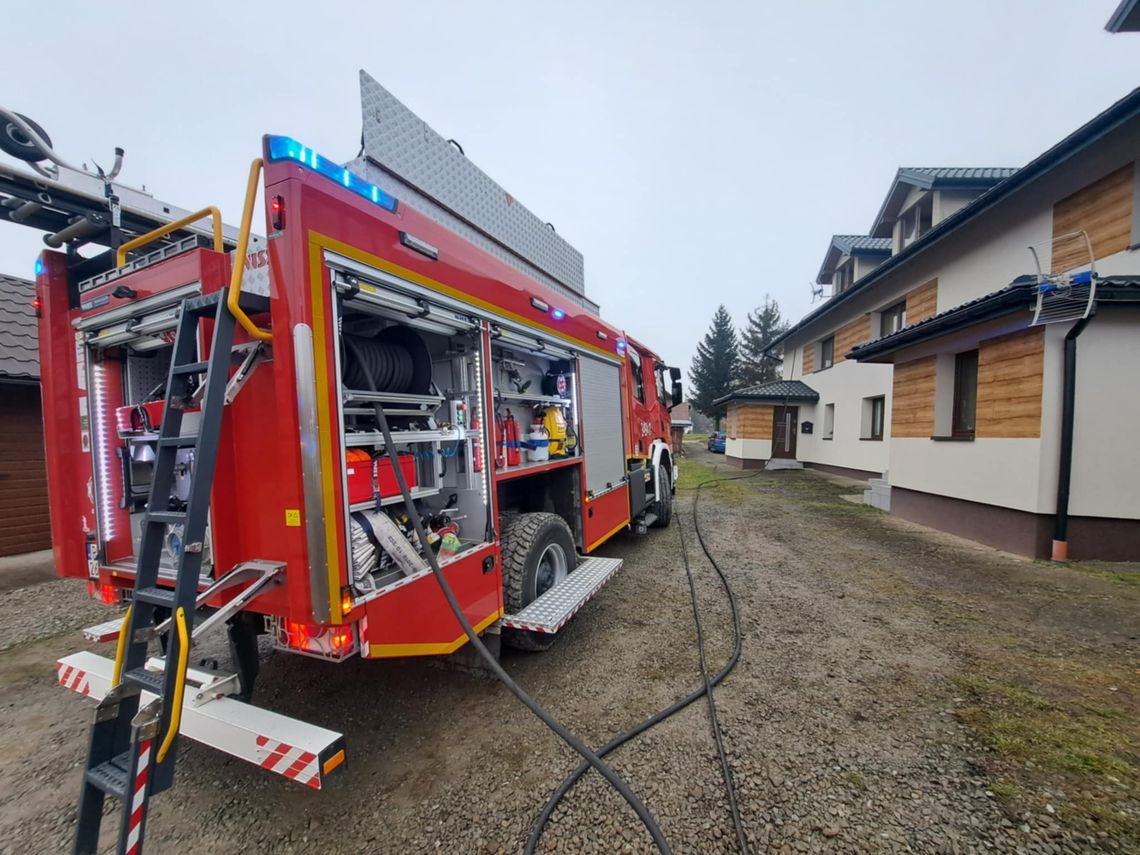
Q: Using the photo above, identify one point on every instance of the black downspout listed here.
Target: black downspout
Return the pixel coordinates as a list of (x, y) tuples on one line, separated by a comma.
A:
[(1065, 465)]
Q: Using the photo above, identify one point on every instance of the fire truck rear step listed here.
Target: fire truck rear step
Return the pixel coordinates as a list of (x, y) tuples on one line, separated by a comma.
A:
[(305, 753), (549, 613)]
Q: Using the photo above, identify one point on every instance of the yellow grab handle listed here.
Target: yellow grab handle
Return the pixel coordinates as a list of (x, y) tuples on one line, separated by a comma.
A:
[(179, 686), (163, 231), (239, 257), (121, 647)]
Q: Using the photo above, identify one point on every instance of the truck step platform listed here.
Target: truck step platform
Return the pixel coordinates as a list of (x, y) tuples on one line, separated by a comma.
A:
[(301, 752), (549, 613)]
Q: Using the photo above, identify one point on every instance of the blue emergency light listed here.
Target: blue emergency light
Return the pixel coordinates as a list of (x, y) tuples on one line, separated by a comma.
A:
[(287, 148)]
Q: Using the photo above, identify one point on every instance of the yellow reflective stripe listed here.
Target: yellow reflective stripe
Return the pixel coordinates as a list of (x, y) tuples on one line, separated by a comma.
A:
[(388, 651), (606, 536), (324, 426), (431, 284)]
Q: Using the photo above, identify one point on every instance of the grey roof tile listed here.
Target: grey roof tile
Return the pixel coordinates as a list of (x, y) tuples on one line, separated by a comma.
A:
[(19, 351), (791, 390), (848, 244)]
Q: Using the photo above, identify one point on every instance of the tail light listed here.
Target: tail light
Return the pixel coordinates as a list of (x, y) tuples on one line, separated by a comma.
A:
[(277, 212), (107, 594), (325, 642)]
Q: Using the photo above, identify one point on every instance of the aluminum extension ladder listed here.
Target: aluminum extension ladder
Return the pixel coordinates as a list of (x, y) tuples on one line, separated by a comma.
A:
[(132, 751)]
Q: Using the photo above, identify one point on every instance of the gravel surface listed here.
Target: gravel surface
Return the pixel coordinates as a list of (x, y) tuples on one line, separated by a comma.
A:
[(844, 720)]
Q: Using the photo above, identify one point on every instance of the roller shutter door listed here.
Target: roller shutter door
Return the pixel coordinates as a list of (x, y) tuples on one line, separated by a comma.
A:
[(601, 423), (24, 525)]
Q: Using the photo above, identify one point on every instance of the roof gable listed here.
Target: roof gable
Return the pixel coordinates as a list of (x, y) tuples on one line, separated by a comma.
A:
[(933, 178), (842, 245)]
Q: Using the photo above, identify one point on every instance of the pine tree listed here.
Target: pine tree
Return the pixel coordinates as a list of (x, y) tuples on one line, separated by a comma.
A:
[(713, 373), (764, 326)]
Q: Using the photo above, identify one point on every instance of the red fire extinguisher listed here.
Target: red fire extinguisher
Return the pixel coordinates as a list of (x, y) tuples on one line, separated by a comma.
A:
[(476, 446), (500, 444), (512, 437)]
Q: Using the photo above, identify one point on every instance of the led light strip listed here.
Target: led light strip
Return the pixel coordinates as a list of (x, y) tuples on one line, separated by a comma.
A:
[(286, 148)]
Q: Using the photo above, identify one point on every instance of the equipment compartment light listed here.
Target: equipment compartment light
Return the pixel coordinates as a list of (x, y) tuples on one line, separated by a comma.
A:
[(541, 305), (286, 148)]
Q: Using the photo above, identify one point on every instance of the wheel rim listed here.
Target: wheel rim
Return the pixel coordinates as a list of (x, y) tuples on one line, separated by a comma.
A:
[(552, 569)]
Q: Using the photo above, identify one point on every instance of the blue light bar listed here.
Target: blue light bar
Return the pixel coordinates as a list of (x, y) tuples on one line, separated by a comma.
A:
[(557, 314), (620, 346), (286, 148), (39, 266)]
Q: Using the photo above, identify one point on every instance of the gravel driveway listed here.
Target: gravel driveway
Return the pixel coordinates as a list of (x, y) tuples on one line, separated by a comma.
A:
[(899, 691)]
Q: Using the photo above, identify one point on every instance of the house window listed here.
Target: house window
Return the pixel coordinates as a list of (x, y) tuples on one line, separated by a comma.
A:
[(892, 319), (965, 393), (827, 352), (844, 276), (874, 413), (638, 377), (829, 421), (916, 221)]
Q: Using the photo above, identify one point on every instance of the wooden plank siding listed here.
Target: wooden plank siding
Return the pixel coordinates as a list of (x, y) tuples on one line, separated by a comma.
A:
[(922, 302), (849, 335), (912, 406), (1104, 210), (749, 421), (809, 358), (24, 524), (1010, 380)]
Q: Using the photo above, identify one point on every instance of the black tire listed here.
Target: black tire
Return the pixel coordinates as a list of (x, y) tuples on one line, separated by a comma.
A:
[(663, 507), (530, 545), (16, 143)]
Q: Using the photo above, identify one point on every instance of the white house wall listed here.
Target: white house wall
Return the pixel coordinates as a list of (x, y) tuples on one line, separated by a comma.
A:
[(846, 385), (1106, 450), (748, 449), (1002, 472)]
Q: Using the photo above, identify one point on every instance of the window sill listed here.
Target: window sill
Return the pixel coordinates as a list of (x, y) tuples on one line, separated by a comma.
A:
[(827, 438), (953, 438), (870, 439)]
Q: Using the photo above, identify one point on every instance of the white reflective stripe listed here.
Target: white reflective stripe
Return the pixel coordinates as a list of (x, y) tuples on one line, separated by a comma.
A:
[(226, 724)]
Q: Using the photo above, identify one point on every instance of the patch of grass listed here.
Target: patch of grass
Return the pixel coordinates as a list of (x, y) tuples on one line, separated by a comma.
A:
[(694, 471), (1007, 791), (1044, 736), (1122, 573), (855, 780), (702, 438)]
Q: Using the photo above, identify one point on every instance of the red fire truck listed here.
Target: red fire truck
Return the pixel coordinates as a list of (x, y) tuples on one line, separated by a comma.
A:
[(227, 424)]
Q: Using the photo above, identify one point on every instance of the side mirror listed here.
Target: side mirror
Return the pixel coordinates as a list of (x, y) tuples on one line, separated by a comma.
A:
[(677, 395), (674, 374)]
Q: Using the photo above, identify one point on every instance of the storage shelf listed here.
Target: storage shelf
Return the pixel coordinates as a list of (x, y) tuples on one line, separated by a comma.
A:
[(538, 466), (405, 437), (393, 398), (417, 493), (553, 400)]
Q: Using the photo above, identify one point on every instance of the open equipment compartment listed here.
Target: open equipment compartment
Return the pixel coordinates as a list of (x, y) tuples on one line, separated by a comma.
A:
[(534, 389), (424, 365), (127, 369)]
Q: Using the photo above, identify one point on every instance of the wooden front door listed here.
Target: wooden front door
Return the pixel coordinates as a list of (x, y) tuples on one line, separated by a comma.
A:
[(785, 426)]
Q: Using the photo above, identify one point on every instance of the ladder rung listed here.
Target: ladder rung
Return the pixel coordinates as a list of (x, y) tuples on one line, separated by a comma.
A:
[(156, 596), (166, 517), (191, 368), (111, 776), (151, 681), (178, 441)]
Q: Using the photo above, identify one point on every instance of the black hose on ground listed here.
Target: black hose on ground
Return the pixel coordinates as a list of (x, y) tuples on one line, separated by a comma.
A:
[(660, 715), (714, 719), (592, 759)]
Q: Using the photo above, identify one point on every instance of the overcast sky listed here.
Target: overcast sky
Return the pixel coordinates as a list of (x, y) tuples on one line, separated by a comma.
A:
[(695, 153)]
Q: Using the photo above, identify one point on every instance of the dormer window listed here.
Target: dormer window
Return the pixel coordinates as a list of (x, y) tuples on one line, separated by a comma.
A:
[(916, 220), (844, 277)]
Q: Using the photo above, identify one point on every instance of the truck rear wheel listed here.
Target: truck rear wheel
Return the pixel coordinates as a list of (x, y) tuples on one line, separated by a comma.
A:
[(538, 553)]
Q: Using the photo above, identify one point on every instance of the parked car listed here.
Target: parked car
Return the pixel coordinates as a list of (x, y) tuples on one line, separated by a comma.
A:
[(716, 442)]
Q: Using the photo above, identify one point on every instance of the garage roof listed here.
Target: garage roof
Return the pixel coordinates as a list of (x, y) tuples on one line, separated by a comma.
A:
[(777, 391), (19, 352)]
